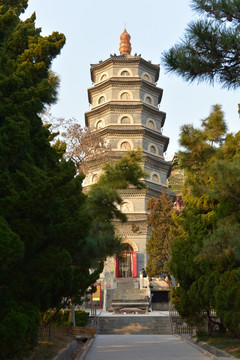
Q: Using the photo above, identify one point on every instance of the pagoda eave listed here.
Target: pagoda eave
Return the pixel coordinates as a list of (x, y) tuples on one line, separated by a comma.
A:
[(125, 59), (111, 82), (128, 105), (134, 130)]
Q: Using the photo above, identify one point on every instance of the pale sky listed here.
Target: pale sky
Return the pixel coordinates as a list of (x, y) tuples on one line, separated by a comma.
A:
[(93, 28)]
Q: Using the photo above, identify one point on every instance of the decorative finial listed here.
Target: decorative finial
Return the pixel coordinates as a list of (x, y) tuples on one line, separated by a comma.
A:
[(125, 45)]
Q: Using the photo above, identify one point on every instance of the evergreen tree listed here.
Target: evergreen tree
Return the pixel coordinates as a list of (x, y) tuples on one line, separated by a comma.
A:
[(46, 250), (176, 178), (160, 241), (30, 182), (103, 201), (205, 252), (211, 46)]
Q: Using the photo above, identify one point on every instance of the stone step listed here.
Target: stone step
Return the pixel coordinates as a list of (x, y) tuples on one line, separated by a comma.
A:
[(127, 283), (130, 298), (133, 292), (133, 325), (126, 286)]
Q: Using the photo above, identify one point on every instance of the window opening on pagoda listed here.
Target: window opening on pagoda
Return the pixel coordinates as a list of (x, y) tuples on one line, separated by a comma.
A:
[(99, 124), (103, 77), (148, 100), (153, 149), (125, 73), (125, 145), (146, 77), (155, 178), (101, 100), (125, 96), (127, 206), (151, 124), (95, 178), (125, 120)]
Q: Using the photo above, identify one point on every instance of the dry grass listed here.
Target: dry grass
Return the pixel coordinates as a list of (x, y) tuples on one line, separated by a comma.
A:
[(48, 349), (224, 342)]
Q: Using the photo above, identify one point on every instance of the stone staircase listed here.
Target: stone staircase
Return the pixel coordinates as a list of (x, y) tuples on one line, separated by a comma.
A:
[(134, 325), (126, 290)]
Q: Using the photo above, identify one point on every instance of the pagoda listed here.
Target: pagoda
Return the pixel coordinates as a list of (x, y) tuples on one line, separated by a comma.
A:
[(125, 113)]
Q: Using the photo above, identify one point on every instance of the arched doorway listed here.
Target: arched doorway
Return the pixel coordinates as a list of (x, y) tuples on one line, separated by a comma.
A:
[(126, 263)]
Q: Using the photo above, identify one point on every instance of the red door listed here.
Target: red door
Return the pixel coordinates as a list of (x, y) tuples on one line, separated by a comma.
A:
[(131, 269), (134, 259), (116, 266)]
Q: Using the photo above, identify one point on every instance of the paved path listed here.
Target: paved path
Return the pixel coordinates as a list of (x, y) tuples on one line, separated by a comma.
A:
[(147, 347)]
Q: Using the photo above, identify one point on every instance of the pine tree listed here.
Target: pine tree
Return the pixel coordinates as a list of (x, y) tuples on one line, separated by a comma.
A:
[(210, 49), (205, 252)]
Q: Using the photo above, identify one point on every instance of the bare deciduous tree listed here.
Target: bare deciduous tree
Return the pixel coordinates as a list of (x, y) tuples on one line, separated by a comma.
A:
[(84, 146)]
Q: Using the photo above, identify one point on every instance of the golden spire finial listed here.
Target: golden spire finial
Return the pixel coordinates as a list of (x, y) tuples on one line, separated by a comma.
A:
[(125, 45)]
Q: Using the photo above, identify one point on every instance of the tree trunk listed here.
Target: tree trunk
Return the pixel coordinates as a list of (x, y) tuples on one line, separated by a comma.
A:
[(210, 327), (221, 328), (50, 331)]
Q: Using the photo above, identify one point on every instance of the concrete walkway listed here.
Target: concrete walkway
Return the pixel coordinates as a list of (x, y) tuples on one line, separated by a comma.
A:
[(147, 347)]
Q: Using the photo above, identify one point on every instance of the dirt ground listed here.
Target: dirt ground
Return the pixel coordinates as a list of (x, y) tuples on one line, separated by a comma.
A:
[(48, 349)]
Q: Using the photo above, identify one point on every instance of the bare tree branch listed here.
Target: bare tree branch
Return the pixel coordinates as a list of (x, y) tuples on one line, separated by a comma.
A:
[(83, 145)]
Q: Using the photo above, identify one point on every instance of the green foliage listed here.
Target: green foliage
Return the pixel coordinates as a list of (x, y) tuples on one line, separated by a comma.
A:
[(227, 295), (62, 317), (53, 238), (81, 318), (211, 46), (103, 199), (160, 241), (205, 253), (31, 182), (126, 171), (176, 178), (18, 328)]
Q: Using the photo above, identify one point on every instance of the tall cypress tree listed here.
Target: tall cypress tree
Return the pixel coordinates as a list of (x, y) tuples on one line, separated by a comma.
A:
[(160, 241), (39, 195)]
